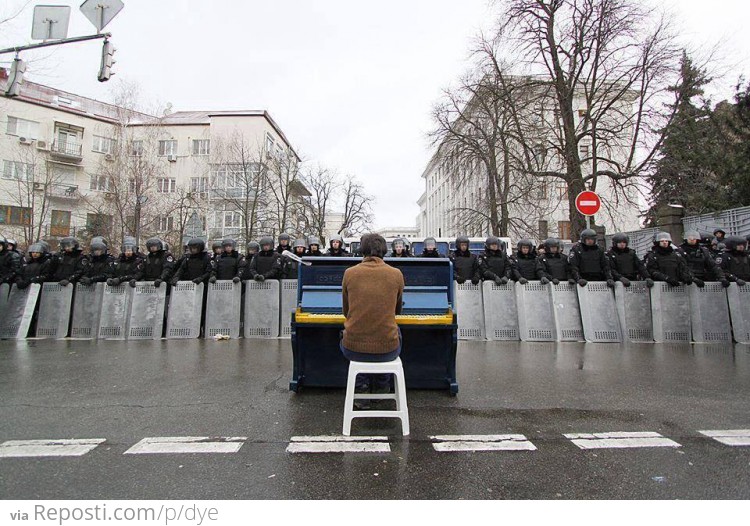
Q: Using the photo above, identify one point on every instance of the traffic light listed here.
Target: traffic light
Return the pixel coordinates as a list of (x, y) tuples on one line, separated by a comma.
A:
[(105, 71), (17, 70)]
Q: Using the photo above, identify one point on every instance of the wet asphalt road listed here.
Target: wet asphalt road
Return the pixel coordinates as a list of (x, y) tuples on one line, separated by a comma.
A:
[(126, 391)]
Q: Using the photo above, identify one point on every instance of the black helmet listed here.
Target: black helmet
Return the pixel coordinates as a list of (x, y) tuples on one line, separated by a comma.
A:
[(216, 244), (662, 236), (691, 234), (228, 242), (97, 244), (155, 242), (717, 230), (197, 242), (733, 241), (620, 238), (10, 241), (431, 242), (129, 243), (38, 247), (3, 241), (284, 237), (69, 242), (45, 245), (299, 243), (552, 242), (588, 233), (253, 244), (525, 243), (493, 240), (266, 240), (462, 239)]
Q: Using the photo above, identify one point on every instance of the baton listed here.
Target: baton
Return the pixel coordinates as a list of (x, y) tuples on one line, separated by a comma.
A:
[(295, 257)]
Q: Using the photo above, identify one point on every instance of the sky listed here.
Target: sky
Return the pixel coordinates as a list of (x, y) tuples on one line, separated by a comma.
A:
[(351, 84)]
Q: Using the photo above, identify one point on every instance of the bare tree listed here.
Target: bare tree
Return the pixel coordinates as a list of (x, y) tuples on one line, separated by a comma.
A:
[(323, 185), (357, 208), (286, 190)]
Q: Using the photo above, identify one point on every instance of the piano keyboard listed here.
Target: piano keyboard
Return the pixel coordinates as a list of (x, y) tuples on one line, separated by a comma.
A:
[(401, 319)]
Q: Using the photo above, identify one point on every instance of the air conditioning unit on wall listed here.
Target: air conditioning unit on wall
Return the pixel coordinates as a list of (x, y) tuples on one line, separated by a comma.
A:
[(42, 145), (109, 157), (172, 158), (24, 140)]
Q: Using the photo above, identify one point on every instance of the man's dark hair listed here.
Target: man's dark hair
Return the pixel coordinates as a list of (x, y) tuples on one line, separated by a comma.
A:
[(373, 245)]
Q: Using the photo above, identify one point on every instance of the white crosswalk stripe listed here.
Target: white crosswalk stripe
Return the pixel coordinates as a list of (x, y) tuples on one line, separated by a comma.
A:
[(156, 445), (48, 448), (620, 439), (448, 443), (729, 437), (338, 444)]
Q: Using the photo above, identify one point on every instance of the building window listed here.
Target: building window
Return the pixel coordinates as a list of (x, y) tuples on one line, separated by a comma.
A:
[(232, 219), (59, 223), (19, 171), (269, 143), (22, 128), (201, 146), (542, 190), (166, 185), (167, 148), (99, 183), (562, 190), (63, 175), (15, 215), (198, 184), (136, 148), (103, 145), (584, 149), (563, 229), (164, 223)]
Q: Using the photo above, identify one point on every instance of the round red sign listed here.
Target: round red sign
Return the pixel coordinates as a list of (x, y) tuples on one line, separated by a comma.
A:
[(588, 203)]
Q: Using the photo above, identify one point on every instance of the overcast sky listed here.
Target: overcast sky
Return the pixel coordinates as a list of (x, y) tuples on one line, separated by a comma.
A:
[(350, 83)]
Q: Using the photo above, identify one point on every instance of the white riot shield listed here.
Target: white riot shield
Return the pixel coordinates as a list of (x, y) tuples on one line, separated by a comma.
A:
[(567, 314), (113, 320), (469, 311), (739, 308), (185, 309), (87, 307), (223, 309), (599, 313), (55, 303), (536, 321), (146, 319), (500, 311), (261, 309), (634, 312), (288, 306), (670, 312), (709, 313), (19, 312)]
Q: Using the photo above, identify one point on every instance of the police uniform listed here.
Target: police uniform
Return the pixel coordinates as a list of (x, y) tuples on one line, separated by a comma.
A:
[(524, 265), (228, 265), (194, 266), (495, 265), (290, 267), (34, 270), (68, 267), (10, 262), (339, 252), (266, 264), (430, 253), (588, 261), (625, 264), (465, 264), (551, 266), (666, 264), (699, 260), (158, 265), (99, 267), (734, 263)]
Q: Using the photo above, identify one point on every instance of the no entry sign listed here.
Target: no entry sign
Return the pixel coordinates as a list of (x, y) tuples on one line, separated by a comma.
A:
[(588, 203)]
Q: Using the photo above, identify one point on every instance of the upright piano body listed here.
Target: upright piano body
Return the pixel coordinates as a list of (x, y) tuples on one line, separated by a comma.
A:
[(427, 322)]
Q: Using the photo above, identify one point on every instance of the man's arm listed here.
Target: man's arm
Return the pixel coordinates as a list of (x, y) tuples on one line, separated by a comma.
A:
[(345, 296), (400, 296)]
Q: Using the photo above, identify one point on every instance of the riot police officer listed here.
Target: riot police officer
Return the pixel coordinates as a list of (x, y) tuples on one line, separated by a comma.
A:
[(100, 263), (624, 262), (734, 262), (702, 264), (13, 246), (666, 264), (129, 266), (196, 265), (399, 249), (524, 262), (69, 264), (465, 264), (588, 262), (10, 262), (720, 235), (553, 265), (313, 247), (289, 267), (266, 264), (36, 268), (430, 248), (216, 249), (159, 263), (336, 247), (283, 245), (228, 265), (495, 264)]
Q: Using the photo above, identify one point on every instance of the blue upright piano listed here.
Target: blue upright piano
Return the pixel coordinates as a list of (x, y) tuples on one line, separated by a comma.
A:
[(427, 322)]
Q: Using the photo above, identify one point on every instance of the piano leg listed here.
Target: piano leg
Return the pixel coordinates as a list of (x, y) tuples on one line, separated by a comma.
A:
[(294, 385)]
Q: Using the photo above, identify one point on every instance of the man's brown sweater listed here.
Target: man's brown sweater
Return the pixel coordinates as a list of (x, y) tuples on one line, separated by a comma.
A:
[(372, 295)]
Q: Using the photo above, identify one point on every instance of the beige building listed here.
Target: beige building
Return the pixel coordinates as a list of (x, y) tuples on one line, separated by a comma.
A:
[(74, 166), (404, 232)]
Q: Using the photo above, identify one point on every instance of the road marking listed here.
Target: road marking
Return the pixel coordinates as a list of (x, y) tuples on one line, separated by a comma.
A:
[(447, 443), (338, 444), (154, 445), (729, 437), (49, 448), (620, 439)]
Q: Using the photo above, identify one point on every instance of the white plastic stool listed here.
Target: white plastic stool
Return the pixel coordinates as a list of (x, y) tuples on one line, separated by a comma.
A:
[(402, 411)]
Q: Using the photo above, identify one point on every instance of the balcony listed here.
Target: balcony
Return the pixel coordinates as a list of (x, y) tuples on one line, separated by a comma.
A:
[(59, 191), (67, 150)]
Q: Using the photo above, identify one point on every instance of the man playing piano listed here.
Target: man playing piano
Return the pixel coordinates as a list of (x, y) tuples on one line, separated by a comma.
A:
[(372, 294)]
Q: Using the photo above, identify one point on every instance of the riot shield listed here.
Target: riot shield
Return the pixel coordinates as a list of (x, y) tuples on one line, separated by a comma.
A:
[(288, 306), (500, 311), (634, 312), (262, 309), (536, 322), (55, 303), (670, 312), (4, 293), (567, 313), (709, 313), (19, 312), (599, 313), (146, 319), (223, 309), (113, 320), (469, 311), (739, 308), (87, 307), (185, 309)]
